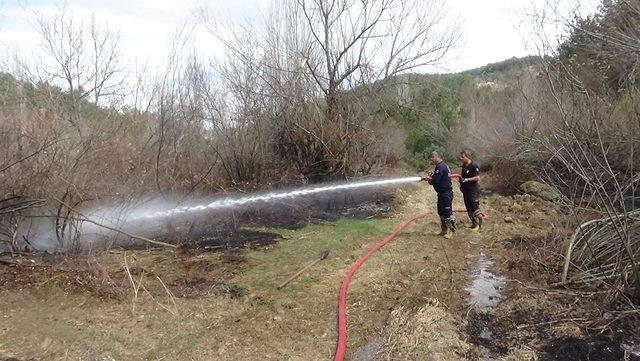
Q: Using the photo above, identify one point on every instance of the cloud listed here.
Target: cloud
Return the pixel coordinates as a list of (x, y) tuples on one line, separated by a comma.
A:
[(494, 29), (146, 27)]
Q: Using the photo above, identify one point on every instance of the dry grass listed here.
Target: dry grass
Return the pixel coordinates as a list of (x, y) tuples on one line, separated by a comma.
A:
[(257, 321), (430, 334), (227, 305)]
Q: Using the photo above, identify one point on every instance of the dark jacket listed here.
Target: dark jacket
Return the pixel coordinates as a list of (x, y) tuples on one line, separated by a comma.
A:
[(469, 171), (441, 179)]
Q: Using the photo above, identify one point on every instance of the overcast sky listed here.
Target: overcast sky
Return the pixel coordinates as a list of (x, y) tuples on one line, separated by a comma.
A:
[(493, 30)]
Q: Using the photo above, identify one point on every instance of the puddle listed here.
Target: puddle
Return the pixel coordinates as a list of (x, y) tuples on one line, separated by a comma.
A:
[(368, 351), (485, 290)]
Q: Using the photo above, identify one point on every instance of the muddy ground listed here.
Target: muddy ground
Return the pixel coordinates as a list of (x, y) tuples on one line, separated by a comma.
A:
[(215, 298)]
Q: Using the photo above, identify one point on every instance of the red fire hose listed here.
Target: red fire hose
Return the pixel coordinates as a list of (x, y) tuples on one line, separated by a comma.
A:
[(342, 302)]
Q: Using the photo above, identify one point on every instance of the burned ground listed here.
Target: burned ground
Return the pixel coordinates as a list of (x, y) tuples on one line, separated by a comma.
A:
[(599, 348), (216, 296), (540, 313)]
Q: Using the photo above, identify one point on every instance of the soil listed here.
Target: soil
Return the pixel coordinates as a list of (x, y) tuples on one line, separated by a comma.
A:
[(233, 240), (572, 348), (215, 297), (484, 332)]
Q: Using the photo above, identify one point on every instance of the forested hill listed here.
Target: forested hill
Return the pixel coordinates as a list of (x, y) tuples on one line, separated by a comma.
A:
[(435, 110), (504, 66)]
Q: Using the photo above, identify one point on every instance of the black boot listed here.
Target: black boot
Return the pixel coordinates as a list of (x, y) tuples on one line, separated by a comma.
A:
[(479, 221), (443, 228), (450, 228), (472, 217), (452, 224)]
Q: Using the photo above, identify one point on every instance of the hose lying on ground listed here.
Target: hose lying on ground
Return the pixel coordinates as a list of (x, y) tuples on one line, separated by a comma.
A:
[(342, 302)]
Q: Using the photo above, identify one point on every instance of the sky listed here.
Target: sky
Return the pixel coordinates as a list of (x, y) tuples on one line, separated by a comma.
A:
[(492, 30)]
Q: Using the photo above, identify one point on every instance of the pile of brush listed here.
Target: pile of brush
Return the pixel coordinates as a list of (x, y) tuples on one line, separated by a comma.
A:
[(605, 252)]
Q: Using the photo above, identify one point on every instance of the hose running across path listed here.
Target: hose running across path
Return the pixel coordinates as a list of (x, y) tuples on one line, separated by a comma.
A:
[(342, 302)]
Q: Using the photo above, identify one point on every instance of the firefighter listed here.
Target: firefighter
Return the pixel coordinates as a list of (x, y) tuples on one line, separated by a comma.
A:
[(440, 179), (469, 179)]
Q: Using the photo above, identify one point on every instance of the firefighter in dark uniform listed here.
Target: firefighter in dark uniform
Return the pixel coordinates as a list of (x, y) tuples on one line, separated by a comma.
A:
[(440, 179), (469, 178)]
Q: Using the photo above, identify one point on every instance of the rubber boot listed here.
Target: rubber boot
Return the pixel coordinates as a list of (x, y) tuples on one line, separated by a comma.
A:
[(450, 226), (475, 226), (443, 228), (473, 220), (479, 221)]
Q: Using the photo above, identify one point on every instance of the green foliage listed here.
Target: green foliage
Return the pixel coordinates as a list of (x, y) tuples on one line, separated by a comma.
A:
[(404, 115), (421, 137), (13, 91), (443, 99), (10, 89), (448, 107), (420, 142), (503, 66), (419, 161), (434, 111)]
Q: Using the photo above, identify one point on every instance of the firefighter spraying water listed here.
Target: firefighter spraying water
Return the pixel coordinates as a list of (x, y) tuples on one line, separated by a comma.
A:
[(440, 179)]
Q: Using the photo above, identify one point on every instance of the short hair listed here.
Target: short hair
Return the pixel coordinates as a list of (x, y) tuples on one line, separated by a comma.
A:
[(465, 153), (435, 153)]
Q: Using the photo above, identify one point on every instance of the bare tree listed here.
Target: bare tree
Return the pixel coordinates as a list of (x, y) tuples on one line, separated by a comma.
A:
[(84, 58), (321, 64), (582, 135), (360, 42)]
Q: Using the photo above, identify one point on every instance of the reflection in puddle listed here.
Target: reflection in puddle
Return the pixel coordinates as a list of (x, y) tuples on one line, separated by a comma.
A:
[(485, 290)]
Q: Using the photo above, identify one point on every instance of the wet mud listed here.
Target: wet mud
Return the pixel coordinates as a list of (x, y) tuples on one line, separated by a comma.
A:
[(499, 323), (599, 348), (485, 292)]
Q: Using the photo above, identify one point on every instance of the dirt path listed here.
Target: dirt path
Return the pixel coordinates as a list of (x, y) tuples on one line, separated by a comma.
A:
[(408, 302)]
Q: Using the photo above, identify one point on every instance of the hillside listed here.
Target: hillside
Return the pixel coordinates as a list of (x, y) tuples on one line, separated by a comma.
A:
[(437, 110)]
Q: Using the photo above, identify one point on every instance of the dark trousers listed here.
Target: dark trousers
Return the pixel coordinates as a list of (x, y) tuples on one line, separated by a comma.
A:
[(471, 200), (445, 199)]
